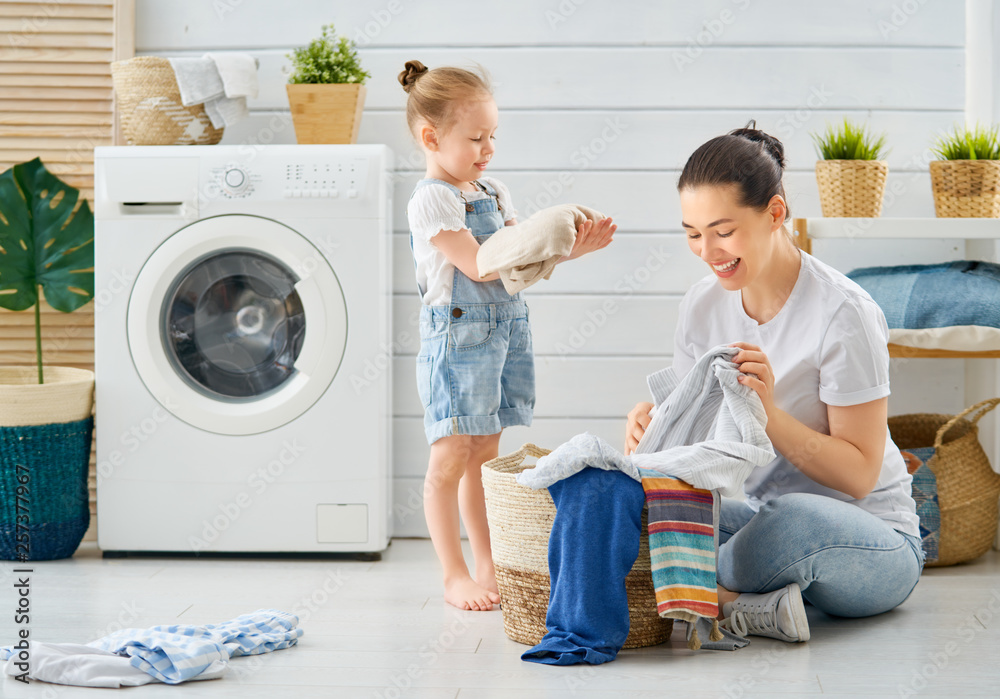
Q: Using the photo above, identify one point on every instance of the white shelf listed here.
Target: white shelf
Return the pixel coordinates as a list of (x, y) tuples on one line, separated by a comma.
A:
[(946, 228)]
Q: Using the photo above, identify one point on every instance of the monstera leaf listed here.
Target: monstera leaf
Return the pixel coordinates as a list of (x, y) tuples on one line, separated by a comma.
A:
[(45, 241)]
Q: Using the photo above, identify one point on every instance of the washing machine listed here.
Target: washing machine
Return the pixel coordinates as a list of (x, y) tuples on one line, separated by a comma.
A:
[(242, 312)]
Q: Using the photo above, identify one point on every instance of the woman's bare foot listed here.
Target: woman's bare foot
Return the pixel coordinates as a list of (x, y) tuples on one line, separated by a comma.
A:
[(466, 593)]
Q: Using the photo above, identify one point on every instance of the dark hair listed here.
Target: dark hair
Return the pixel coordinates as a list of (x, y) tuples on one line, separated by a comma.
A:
[(748, 158)]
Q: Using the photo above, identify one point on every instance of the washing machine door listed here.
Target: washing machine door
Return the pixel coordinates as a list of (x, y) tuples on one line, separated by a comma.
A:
[(237, 324)]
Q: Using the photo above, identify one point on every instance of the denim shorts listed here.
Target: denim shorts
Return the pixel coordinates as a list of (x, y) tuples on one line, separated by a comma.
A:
[(475, 369)]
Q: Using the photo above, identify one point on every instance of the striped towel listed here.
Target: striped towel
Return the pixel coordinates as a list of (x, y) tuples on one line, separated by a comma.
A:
[(170, 654), (682, 545)]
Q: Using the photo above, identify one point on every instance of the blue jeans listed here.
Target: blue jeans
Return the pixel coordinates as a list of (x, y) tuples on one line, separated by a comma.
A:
[(847, 562)]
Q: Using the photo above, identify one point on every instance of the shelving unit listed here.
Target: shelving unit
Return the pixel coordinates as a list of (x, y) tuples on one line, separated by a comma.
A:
[(973, 231)]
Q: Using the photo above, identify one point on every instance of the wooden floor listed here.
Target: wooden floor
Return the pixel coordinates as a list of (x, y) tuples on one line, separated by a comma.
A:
[(381, 630)]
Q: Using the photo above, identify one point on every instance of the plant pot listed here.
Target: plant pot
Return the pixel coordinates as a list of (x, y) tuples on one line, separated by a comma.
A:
[(150, 109), (326, 113), (45, 437), (852, 188), (966, 188)]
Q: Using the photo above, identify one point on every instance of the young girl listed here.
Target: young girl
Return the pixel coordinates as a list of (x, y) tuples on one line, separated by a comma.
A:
[(831, 518), (475, 369)]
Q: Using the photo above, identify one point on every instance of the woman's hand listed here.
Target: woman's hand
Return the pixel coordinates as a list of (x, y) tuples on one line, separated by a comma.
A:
[(591, 237), (638, 421), (756, 373)]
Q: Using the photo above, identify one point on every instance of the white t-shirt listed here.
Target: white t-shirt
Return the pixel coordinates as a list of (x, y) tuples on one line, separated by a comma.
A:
[(435, 208), (827, 346)]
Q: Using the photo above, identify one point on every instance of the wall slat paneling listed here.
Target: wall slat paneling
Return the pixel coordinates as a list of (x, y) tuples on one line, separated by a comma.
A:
[(668, 75), (55, 88)]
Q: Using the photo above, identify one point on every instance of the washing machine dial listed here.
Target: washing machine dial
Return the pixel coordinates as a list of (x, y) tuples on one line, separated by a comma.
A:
[(235, 180)]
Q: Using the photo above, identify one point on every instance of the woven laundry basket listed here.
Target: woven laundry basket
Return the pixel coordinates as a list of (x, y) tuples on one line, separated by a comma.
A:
[(852, 188), (520, 520), (966, 188), (45, 436), (968, 489), (150, 109)]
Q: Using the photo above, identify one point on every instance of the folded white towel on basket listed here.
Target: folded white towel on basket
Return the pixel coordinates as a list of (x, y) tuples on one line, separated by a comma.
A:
[(220, 81)]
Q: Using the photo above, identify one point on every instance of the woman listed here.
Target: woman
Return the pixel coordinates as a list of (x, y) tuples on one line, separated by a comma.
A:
[(831, 518)]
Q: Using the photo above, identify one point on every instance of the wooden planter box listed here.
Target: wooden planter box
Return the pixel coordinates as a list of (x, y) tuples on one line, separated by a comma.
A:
[(326, 113)]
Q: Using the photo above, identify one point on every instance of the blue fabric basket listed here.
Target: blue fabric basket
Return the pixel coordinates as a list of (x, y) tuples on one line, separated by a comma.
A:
[(43, 480), (966, 292)]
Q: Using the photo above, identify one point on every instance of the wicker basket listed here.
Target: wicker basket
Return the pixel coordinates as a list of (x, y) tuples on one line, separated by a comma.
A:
[(45, 435), (966, 188), (150, 109), (851, 187), (968, 489), (520, 520)]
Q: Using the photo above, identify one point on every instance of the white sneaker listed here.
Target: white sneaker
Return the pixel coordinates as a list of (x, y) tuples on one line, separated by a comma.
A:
[(779, 614)]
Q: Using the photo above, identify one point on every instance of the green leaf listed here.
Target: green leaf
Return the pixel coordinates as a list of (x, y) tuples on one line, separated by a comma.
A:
[(328, 59), (43, 241)]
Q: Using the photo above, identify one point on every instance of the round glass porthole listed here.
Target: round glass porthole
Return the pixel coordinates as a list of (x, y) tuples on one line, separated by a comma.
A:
[(233, 325)]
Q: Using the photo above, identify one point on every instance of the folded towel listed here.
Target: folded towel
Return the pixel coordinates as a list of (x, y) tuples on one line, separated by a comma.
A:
[(528, 251), (221, 82), (170, 654), (238, 72)]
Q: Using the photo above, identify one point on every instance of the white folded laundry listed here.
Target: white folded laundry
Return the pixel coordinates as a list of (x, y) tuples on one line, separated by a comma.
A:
[(238, 72), (221, 82)]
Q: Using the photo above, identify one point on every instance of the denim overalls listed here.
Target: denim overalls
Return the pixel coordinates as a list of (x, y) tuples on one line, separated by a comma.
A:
[(475, 369)]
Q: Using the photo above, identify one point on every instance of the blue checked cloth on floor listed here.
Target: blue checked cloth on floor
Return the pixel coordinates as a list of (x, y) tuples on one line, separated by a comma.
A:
[(175, 654)]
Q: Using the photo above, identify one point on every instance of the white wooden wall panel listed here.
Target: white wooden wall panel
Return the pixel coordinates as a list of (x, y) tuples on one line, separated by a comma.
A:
[(647, 78), (601, 103), (167, 25), (607, 139)]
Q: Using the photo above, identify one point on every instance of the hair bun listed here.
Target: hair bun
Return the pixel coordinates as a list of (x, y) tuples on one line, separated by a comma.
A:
[(411, 71), (771, 144)]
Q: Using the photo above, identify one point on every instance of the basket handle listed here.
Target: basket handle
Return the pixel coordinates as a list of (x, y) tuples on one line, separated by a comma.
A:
[(529, 449), (987, 404)]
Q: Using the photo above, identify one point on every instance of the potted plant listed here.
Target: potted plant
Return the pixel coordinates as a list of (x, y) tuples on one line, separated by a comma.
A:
[(966, 179), (326, 90), (47, 243), (851, 173)]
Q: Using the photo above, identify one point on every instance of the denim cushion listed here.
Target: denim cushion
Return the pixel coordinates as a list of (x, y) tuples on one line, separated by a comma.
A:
[(935, 296)]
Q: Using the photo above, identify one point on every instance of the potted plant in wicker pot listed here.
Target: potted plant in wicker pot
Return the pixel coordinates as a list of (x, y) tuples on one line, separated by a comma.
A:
[(966, 179), (326, 90), (851, 173), (47, 243)]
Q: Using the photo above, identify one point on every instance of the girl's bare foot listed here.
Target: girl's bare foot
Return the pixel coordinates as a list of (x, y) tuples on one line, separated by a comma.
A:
[(465, 593), (487, 578)]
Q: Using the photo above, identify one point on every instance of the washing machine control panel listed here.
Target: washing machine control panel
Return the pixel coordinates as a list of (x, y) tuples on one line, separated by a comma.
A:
[(233, 181), (325, 180), (267, 177)]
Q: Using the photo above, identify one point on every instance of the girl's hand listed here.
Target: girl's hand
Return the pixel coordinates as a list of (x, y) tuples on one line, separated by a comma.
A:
[(638, 421), (756, 372), (591, 237)]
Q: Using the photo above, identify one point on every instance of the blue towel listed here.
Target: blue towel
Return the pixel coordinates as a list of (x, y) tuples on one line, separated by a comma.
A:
[(966, 292), (177, 653), (592, 547)]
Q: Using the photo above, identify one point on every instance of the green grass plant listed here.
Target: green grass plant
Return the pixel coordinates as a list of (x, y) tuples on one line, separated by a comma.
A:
[(964, 143), (849, 141)]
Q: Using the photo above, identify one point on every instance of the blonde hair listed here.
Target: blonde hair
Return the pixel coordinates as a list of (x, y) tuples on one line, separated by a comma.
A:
[(434, 94)]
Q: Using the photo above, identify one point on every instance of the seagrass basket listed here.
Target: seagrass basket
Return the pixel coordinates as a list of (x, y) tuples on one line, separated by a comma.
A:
[(853, 188), (966, 188), (520, 520), (150, 109), (968, 489)]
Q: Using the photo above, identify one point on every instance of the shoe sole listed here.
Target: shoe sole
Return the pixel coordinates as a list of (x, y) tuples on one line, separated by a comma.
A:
[(798, 613)]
